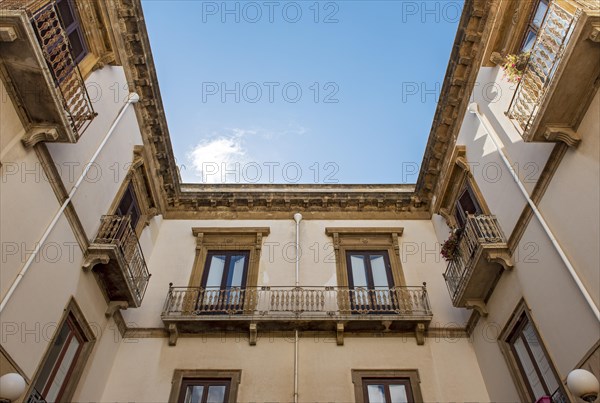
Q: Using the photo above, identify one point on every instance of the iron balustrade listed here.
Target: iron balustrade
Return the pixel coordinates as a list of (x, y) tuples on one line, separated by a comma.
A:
[(117, 231), (57, 52), (302, 301), (479, 230), (544, 60)]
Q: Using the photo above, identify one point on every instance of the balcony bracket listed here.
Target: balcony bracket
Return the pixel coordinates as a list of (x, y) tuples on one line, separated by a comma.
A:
[(477, 305), (420, 333), (93, 259), (38, 133), (386, 324), (8, 34), (339, 337), (173, 334), (501, 257), (564, 134), (253, 334), (114, 306)]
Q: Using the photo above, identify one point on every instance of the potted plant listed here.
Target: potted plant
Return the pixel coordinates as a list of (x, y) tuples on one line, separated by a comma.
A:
[(514, 66), (450, 246)]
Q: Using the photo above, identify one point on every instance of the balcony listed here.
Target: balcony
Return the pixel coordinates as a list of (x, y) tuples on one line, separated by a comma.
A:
[(559, 81), (40, 73), (481, 256), (117, 258), (338, 309)]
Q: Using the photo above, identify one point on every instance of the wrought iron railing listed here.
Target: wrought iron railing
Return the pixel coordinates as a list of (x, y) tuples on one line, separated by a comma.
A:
[(545, 57), (117, 230), (305, 302), (55, 47), (479, 230)]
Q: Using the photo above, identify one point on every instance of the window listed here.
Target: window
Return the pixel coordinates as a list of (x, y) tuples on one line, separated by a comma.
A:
[(204, 391), (58, 375), (529, 360), (466, 204), (370, 279), (70, 21), (205, 386), (386, 386), (224, 281), (128, 205), (535, 22)]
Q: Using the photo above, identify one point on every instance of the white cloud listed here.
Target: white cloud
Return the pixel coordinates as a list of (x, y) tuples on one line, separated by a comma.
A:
[(212, 158)]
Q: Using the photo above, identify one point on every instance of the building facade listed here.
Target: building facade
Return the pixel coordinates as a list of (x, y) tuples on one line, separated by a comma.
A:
[(120, 283)]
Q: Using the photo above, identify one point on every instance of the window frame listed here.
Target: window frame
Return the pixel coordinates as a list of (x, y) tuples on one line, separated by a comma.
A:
[(180, 376), (365, 239), (72, 317), (75, 26), (516, 323), (362, 377), (530, 26)]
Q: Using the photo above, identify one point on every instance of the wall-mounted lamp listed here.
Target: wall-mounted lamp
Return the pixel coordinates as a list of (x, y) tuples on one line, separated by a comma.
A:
[(583, 384), (12, 386)]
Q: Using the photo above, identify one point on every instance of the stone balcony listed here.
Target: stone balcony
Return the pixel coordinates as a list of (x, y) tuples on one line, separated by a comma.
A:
[(560, 79), (480, 258), (336, 309), (40, 73), (117, 259)]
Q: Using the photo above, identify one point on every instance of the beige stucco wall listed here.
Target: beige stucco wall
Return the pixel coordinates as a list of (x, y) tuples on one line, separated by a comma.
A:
[(28, 205), (564, 320), (448, 369), (174, 251)]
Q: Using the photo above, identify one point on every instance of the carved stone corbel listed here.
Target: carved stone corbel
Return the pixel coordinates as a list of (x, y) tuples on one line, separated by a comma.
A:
[(478, 306), (564, 134), (93, 259), (39, 133), (173, 334), (114, 306), (253, 334), (594, 35), (339, 336), (502, 257), (420, 333), (497, 58)]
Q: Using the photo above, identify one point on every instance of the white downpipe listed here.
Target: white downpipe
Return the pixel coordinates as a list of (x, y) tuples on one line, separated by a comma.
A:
[(297, 218), (132, 99), (474, 108)]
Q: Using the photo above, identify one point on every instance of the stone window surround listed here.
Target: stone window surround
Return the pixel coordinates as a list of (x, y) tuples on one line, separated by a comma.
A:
[(366, 239), (511, 361), (138, 177), (411, 374), (233, 375), (73, 310), (459, 175), (228, 238)]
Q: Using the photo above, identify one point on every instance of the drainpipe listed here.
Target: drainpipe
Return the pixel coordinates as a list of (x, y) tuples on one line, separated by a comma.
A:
[(132, 99), (474, 108), (297, 218)]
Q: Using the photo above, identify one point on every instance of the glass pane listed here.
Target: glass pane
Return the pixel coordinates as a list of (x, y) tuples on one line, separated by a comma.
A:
[(215, 271), (540, 12), (236, 271), (380, 278), (65, 13), (529, 369), (398, 394), (540, 358), (57, 347), (216, 394), (376, 393), (193, 394), (62, 371), (359, 276), (529, 41)]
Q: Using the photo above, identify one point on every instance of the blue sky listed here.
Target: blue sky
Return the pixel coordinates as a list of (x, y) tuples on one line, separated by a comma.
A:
[(300, 92)]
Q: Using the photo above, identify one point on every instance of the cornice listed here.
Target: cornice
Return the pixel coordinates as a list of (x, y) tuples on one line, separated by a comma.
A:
[(465, 60), (179, 200)]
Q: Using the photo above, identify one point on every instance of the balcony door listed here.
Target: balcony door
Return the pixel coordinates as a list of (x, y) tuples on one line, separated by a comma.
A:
[(224, 281), (370, 281), (466, 204)]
